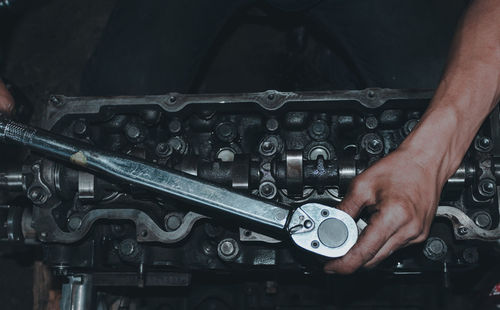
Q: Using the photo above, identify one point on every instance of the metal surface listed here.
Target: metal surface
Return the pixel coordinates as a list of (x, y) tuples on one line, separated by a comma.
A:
[(77, 293), (270, 100), (148, 230)]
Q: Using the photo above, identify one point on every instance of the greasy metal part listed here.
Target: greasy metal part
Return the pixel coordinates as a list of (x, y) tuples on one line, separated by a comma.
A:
[(270, 100), (38, 192), (464, 227), (247, 235), (147, 229), (77, 293), (133, 171), (241, 172), (86, 185), (13, 181), (294, 173)]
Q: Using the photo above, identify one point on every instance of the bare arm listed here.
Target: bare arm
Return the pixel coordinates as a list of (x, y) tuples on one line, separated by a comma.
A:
[(6, 100), (404, 187)]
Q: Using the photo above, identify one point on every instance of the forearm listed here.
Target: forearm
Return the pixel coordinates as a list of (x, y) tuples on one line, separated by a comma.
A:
[(468, 91)]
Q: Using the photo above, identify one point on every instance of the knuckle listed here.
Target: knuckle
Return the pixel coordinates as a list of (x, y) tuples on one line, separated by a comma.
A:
[(403, 210), (360, 185)]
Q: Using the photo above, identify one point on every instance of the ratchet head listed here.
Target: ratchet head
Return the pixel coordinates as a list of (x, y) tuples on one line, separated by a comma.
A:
[(323, 230)]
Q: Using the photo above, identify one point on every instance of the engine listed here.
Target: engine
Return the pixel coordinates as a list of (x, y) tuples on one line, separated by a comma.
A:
[(288, 148)]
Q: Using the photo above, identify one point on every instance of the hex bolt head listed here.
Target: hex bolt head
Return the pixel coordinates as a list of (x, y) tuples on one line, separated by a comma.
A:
[(226, 132), (267, 190), (435, 249), (483, 144), (163, 150), (372, 143), (228, 249), (486, 188)]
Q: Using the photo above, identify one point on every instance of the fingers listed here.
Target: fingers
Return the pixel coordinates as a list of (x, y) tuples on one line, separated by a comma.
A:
[(394, 243), (358, 196), (6, 100), (380, 230)]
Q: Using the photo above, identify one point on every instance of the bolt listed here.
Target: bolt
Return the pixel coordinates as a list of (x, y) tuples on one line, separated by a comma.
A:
[(172, 99), (487, 188), (371, 122), (315, 244), (267, 147), (267, 190), (228, 249), (37, 195), (270, 97), (173, 222), (374, 146), (178, 144), (482, 219), (370, 94), (272, 124), (435, 248), (134, 133), (409, 125), (325, 212), (163, 149), (174, 126), (226, 132), (319, 130), (483, 144), (55, 101), (79, 127), (74, 223), (127, 247), (462, 230)]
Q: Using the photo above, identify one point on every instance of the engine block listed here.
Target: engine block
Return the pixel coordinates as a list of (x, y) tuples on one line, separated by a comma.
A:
[(292, 148)]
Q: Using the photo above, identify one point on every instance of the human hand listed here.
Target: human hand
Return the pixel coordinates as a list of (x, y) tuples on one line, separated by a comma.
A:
[(403, 194), (6, 100)]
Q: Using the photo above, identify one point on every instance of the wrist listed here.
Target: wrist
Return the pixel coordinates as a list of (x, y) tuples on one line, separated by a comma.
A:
[(436, 144)]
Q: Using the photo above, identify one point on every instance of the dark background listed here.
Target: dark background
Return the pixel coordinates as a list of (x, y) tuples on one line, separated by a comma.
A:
[(46, 44)]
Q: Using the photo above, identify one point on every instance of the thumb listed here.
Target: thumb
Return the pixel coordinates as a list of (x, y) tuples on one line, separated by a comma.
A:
[(6, 100)]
